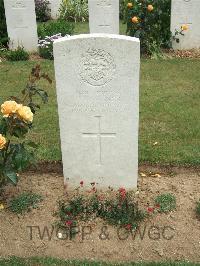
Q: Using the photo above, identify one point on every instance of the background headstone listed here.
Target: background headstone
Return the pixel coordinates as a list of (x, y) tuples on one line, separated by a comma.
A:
[(186, 12), (104, 16), (97, 80), (21, 24), (55, 6)]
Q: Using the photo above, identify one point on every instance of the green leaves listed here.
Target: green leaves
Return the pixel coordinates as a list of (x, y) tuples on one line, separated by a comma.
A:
[(16, 155), (33, 107), (3, 126), (20, 156), (12, 176), (166, 202), (16, 159), (20, 129), (25, 202), (153, 27), (43, 94)]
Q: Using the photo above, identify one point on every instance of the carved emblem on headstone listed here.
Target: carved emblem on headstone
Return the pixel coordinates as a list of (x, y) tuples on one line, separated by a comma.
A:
[(97, 67), (18, 4)]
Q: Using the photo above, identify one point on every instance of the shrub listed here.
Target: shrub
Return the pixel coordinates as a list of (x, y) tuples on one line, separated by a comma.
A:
[(42, 10), (24, 202), (166, 202), (71, 10), (49, 32), (3, 27), (149, 20), (16, 151), (17, 55), (118, 208), (54, 27)]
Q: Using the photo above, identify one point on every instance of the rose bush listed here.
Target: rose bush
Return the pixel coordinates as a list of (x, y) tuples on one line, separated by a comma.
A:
[(149, 20), (16, 152)]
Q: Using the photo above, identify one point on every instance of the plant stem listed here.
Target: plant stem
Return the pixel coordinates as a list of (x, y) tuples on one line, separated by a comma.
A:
[(6, 151)]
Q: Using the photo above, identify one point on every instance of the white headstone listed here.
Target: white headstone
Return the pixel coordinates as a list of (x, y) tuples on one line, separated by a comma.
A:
[(97, 80), (104, 16), (55, 6), (186, 12), (21, 24)]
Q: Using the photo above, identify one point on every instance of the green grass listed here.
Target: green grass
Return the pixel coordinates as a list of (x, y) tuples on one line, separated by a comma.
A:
[(169, 110), (166, 202), (81, 27), (24, 202), (14, 261)]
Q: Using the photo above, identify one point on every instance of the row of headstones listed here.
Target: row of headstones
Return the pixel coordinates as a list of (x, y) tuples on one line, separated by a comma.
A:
[(103, 17)]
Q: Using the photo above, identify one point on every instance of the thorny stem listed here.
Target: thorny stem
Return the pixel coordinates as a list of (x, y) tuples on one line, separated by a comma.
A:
[(26, 95)]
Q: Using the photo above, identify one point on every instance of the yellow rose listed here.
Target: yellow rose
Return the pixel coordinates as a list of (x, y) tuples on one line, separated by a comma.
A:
[(150, 8), (24, 112), (129, 5), (134, 19), (9, 107), (184, 27), (2, 142)]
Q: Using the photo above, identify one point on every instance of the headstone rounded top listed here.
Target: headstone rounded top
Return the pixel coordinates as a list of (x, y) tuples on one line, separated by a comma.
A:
[(97, 35)]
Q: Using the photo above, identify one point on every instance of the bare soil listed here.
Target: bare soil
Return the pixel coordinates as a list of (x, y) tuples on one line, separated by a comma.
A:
[(172, 236)]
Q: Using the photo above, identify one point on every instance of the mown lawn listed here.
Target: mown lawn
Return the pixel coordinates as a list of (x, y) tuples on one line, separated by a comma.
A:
[(83, 27), (169, 110), (56, 262)]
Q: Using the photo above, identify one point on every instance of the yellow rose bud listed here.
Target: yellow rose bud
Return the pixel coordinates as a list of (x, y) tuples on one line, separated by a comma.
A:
[(150, 8), (2, 142), (9, 107), (134, 19), (184, 27), (24, 112), (129, 5)]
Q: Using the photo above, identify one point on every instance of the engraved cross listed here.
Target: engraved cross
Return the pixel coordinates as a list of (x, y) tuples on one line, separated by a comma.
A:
[(99, 135)]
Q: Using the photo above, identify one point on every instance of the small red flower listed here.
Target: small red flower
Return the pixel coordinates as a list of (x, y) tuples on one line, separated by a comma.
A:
[(69, 223), (121, 189), (122, 192), (128, 226), (81, 183), (149, 209), (157, 206)]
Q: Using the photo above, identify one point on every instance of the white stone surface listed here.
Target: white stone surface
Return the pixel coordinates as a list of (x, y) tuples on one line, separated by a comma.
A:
[(21, 24), (186, 12), (54, 6), (97, 80), (104, 16)]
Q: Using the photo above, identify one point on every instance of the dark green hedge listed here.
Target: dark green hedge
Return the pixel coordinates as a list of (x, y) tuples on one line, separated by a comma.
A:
[(3, 27)]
